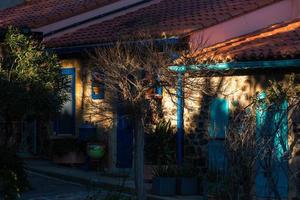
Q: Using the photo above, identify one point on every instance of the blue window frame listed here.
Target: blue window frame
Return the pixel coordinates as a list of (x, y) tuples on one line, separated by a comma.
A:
[(98, 89), (219, 117), (159, 90), (65, 121)]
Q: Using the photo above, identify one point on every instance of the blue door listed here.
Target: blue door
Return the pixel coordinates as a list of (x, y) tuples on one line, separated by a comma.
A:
[(272, 128), (124, 140), (219, 117), (65, 122)]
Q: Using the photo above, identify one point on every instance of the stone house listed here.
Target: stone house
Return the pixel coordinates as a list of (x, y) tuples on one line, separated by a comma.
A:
[(258, 37)]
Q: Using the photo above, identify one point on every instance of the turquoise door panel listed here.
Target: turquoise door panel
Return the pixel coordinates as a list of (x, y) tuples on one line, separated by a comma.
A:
[(272, 125), (219, 117), (216, 155)]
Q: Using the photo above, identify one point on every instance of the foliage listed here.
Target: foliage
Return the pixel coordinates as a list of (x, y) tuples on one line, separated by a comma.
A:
[(164, 171), (9, 185), (245, 149), (30, 80), (187, 172), (241, 155), (13, 179), (216, 184), (161, 144), (60, 147)]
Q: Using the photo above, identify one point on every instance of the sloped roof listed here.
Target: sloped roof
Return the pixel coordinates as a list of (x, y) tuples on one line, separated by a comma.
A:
[(279, 41), (170, 17), (37, 13)]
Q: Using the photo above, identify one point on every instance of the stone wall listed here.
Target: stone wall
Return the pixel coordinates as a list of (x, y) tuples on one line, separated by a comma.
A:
[(239, 90), (196, 112)]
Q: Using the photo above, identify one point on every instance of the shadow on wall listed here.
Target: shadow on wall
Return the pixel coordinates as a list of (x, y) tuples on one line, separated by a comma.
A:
[(196, 144)]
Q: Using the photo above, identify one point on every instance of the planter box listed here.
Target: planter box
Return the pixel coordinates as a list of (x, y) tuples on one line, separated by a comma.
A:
[(69, 158), (164, 186), (188, 186)]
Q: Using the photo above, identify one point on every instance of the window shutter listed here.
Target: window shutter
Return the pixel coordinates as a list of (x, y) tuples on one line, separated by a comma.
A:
[(219, 117), (159, 90)]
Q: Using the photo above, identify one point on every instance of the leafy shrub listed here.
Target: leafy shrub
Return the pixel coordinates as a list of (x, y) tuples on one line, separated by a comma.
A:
[(164, 171), (160, 144), (9, 185), (13, 179), (187, 172)]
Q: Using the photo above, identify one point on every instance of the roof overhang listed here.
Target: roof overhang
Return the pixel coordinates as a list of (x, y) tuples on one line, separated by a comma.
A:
[(83, 48), (292, 63), (24, 30)]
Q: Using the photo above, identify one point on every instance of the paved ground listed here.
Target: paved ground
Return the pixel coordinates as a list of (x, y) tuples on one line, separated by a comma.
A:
[(46, 180), (46, 188), (80, 176)]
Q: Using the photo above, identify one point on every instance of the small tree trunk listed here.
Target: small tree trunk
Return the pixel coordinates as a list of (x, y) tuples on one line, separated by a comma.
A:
[(139, 158)]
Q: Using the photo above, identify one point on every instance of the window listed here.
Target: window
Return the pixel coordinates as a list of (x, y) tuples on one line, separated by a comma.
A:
[(98, 87)]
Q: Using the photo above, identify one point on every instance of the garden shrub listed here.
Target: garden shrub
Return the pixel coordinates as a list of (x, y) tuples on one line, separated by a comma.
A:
[(13, 179), (160, 144)]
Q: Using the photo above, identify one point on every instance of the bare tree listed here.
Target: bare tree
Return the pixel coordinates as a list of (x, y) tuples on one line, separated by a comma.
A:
[(257, 138), (130, 72)]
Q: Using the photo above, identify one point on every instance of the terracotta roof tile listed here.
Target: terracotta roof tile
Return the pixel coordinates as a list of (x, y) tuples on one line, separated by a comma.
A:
[(37, 13), (173, 17), (278, 41)]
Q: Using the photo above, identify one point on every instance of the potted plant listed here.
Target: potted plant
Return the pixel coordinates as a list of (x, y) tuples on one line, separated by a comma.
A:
[(95, 149), (160, 146), (68, 151), (187, 181), (164, 182)]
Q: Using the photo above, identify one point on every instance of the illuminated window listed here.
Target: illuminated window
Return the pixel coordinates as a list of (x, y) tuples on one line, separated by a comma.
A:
[(98, 87)]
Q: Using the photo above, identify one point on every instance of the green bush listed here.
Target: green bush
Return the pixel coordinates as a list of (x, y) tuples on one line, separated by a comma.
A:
[(164, 171), (187, 171), (9, 185), (160, 146), (13, 179)]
